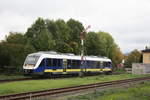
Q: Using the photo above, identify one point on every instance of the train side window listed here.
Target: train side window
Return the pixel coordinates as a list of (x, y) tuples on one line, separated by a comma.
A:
[(107, 64), (42, 64), (69, 64), (75, 64), (54, 63), (88, 64), (79, 63), (104, 64), (97, 64), (101, 65), (110, 64), (94, 64), (49, 62), (59, 62)]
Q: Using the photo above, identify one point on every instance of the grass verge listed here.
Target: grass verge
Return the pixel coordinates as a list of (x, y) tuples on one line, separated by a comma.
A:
[(5, 77), (35, 85), (137, 92)]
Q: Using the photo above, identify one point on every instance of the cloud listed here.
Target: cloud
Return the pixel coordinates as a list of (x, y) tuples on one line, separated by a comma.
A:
[(10, 21), (126, 20)]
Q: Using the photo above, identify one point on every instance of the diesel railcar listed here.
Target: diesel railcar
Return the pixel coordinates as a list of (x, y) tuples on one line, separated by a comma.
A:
[(52, 63)]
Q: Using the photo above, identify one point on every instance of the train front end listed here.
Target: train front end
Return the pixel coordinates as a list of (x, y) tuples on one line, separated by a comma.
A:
[(30, 64)]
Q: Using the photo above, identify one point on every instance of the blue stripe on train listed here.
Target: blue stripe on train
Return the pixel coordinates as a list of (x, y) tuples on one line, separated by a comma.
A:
[(42, 68)]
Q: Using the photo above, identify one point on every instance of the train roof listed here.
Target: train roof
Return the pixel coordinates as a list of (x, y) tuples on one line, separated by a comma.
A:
[(53, 54)]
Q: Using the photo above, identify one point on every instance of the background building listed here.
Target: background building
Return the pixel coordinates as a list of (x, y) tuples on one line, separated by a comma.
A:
[(142, 68), (146, 55)]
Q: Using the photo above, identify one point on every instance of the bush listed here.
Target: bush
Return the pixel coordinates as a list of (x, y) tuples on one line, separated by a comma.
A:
[(12, 56)]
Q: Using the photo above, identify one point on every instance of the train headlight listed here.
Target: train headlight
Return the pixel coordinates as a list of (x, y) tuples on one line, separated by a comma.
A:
[(29, 66)]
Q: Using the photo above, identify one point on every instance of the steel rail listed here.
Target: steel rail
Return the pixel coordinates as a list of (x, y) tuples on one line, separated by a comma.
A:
[(52, 77), (12, 80)]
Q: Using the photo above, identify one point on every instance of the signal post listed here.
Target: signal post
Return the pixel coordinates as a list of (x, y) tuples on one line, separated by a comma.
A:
[(82, 37)]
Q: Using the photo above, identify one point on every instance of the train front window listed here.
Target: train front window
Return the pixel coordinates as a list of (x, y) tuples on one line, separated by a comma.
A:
[(31, 60)]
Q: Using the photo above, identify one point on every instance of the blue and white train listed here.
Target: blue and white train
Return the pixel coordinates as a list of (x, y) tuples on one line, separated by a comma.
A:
[(51, 63)]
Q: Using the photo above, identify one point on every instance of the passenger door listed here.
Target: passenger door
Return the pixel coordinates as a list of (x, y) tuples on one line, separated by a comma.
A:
[(101, 66), (64, 65)]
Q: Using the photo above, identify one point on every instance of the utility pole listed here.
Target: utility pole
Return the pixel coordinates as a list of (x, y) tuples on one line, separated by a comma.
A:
[(82, 37)]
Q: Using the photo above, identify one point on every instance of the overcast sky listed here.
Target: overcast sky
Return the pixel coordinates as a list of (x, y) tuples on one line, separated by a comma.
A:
[(128, 21)]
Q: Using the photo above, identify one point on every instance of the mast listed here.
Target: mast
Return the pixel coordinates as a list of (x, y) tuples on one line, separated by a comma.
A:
[(82, 37)]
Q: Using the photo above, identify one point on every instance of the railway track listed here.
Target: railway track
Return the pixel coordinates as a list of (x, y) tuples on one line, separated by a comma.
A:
[(37, 78), (25, 79), (52, 77), (51, 92), (12, 80)]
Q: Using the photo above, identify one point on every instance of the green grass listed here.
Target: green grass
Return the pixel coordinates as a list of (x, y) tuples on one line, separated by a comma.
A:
[(119, 71), (4, 77), (34, 85), (138, 92)]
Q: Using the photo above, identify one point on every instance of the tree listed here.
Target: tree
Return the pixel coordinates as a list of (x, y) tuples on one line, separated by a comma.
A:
[(63, 30), (107, 43), (133, 57), (52, 28), (60, 33), (93, 44), (116, 55), (39, 36), (66, 35), (12, 55), (60, 36), (4, 56), (102, 44), (76, 28), (16, 38), (63, 36)]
